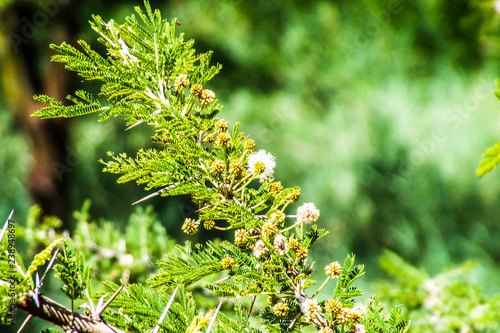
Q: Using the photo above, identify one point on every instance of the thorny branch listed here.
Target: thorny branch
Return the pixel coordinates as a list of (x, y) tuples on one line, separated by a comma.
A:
[(58, 314)]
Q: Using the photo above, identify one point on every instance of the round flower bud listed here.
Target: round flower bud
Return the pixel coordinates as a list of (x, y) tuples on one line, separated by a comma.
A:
[(293, 243), (249, 144), (301, 254), (240, 237), (344, 316), (333, 305), (269, 230), (236, 167), (333, 269), (295, 195), (221, 125), (223, 140), (206, 97), (190, 226), (228, 263), (275, 187), (209, 137), (281, 309), (311, 310), (217, 167), (181, 81), (196, 90), (209, 224)]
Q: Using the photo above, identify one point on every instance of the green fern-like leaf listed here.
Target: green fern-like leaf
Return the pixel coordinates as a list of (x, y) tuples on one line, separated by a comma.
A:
[(177, 270), (399, 324), (239, 324), (376, 321), (138, 309), (72, 271), (398, 268), (490, 160), (224, 289), (42, 257), (348, 275)]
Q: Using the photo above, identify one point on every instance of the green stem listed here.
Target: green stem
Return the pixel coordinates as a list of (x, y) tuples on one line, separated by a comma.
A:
[(285, 205), (231, 184), (223, 229), (250, 177), (257, 205), (291, 227), (322, 286)]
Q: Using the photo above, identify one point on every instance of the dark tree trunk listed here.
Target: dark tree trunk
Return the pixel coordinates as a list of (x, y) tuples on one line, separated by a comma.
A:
[(27, 41)]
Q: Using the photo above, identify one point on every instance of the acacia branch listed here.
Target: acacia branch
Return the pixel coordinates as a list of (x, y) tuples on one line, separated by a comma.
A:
[(58, 314)]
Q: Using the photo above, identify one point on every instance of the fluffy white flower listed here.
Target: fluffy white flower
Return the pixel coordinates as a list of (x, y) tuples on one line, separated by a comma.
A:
[(359, 328), (259, 248), (280, 244), (311, 310), (263, 157), (307, 213)]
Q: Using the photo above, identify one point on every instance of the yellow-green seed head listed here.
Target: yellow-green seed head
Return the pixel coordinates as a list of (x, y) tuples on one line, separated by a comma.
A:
[(209, 137), (259, 167), (236, 168), (269, 230), (181, 81), (333, 305), (275, 187), (206, 97), (301, 253), (217, 167), (221, 125), (281, 309), (209, 224), (228, 263), (241, 237), (333, 269), (190, 226), (196, 90), (223, 140), (293, 243), (249, 144), (295, 195)]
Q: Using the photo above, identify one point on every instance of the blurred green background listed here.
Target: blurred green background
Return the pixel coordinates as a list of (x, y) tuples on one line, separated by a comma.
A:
[(379, 110)]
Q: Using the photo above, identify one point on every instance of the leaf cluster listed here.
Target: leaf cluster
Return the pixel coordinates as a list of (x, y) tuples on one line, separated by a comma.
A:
[(452, 300), (17, 282), (151, 76), (72, 271), (491, 158)]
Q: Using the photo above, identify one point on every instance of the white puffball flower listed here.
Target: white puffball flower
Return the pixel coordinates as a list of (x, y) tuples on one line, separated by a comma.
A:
[(267, 159), (311, 310), (307, 213)]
